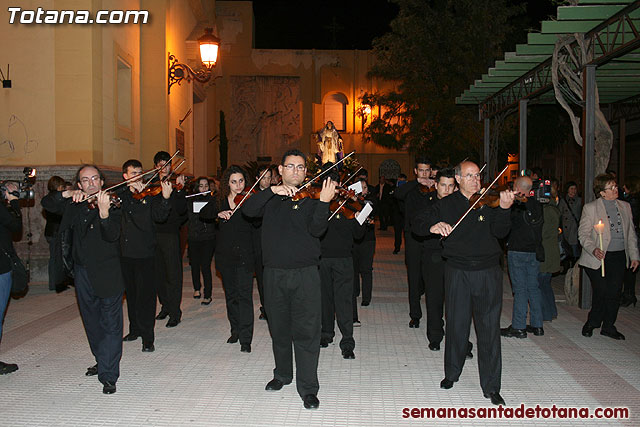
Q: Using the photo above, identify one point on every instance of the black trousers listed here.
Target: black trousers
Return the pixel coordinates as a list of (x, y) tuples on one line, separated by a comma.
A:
[(259, 270), (336, 277), (292, 300), (605, 301), (168, 269), (363, 268), (102, 319), (139, 282), (413, 259), (237, 282), (433, 274), (398, 229), (477, 294), (200, 257)]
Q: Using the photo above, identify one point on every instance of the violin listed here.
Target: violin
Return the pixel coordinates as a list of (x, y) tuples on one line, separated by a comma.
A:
[(492, 197), (155, 189), (114, 199), (243, 196)]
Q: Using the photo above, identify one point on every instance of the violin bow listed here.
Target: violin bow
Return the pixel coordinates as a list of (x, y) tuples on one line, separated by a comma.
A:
[(350, 177), (479, 198), (158, 170), (249, 192), (327, 170)]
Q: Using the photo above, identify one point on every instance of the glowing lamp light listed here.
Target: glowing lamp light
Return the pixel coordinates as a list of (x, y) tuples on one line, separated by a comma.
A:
[(209, 45)]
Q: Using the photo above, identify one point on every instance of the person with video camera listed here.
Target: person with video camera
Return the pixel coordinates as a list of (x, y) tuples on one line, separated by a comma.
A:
[(10, 222)]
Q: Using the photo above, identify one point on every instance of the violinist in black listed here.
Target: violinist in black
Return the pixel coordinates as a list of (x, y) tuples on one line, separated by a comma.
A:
[(291, 254), (95, 252), (202, 238), (336, 276), (234, 258), (138, 246), (364, 248), (415, 200), (168, 265)]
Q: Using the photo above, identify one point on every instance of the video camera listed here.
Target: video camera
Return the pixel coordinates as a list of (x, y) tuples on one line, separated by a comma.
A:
[(541, 190), (25, 187)]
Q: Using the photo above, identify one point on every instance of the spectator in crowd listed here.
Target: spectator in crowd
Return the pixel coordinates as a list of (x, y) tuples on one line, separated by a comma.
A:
[(570, 205), (51, 228), (631, 195), (551, 263)]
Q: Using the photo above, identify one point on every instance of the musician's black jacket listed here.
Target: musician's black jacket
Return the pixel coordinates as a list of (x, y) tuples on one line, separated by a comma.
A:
[(202, 225), (337, 242), (420, 224), (473, 245), (369, 229), (414, 202), (234, 245), (291, 230), (10, 222), (177, 215), (95, 241), (139, 217)]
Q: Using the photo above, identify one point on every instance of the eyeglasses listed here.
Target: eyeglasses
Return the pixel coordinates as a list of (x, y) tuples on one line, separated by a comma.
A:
[(94, 178), (290, 167), (613, 187), (471, 176)]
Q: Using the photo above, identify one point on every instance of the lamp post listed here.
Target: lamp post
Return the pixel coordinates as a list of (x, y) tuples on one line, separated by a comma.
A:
[(365, 110), (209, 46)]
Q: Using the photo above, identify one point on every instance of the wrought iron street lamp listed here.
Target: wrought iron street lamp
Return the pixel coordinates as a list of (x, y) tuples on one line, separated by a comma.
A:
[(209, 46)]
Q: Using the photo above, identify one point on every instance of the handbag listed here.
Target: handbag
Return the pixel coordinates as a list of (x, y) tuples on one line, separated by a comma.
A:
[(19, 275)]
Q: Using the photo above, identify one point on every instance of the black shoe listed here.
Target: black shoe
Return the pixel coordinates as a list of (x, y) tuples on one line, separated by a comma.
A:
[(414, 323), (162, 315), (396, 251), (356, 323), (245, 348), (173, 322), (206, 301), (7, 368), (274, 385), (535, 331), (512, 332), (324, 343), (434, 346), (311, 401), (365, 303), (612, 334), (587, 330), (130, 337), (495, 397), (348, 354), (627, 300), (92, 370), (109, 387), (446, 384), (147, 347), (232, 339), (469, 348)]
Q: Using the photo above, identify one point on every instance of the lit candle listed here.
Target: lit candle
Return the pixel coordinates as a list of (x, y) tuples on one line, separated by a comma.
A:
[(600, 229)]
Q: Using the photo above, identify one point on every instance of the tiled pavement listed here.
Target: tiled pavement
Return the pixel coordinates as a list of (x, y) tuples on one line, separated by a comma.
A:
[(195, 379)]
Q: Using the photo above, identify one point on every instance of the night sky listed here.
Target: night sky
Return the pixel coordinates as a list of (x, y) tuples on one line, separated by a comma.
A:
[(346, 24)]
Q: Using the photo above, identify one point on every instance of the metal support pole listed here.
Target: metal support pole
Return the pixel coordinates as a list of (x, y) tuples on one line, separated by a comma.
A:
[(487, 142), (588, 146), (522, 108), (622, 153)]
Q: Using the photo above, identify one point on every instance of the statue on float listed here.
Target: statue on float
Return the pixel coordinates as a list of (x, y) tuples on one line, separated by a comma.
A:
[(329, 144)]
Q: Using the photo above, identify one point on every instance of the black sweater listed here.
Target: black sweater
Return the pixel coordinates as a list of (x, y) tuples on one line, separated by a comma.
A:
[(139, 218), (177, 215), (291, 231), (526, 226), (337, 242), (10, 222), (95, 242), (473, 245), (234, 245), (420, 225), (202, 225)]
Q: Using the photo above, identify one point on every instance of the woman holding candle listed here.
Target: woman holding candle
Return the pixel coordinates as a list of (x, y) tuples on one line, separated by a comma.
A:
[(609, 246)]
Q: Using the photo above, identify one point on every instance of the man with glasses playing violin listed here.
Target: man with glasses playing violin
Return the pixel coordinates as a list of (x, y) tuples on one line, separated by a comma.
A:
[(291, 232), (473, 277), (138, 245), (96, 266), (168, 265)]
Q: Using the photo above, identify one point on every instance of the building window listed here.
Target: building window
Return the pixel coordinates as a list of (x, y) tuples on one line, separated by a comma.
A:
[(335, 110), (123, 95)]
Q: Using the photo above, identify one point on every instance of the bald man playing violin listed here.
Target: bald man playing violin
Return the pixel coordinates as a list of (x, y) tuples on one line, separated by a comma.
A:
[(291, 232), (95, 259), (473, 278)]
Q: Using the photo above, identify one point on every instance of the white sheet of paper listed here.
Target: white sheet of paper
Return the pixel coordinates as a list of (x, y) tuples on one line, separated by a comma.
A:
[(364, 213), (357, 187), (197, 206)]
